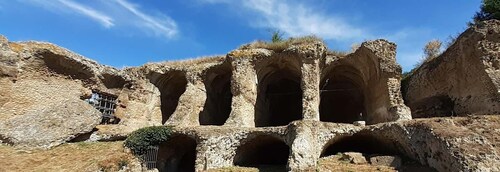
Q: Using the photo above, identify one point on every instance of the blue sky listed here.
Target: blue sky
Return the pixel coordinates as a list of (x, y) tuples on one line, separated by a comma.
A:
[(131, 32)]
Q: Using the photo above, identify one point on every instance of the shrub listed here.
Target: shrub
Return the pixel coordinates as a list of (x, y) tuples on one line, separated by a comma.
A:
[(143, 139), (432, 49), (277, 36), (490, 9)]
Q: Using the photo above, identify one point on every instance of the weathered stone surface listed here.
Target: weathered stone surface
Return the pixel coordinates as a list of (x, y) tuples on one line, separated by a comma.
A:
[(359, 123), (447, 144), (35, 114), (353, 157), (391, 161), (373, 69), (464, 80), (41, 95)]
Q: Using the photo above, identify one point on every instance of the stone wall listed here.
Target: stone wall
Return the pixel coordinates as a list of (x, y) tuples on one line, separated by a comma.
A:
[(464, 80), (277, 98), (270, 88)]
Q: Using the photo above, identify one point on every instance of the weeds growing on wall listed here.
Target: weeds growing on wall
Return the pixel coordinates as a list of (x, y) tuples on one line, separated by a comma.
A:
[(144, 139), (281, 45)]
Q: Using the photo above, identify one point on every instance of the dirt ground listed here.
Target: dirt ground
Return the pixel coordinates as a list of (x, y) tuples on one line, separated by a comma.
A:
[(82, 156), (331, 163)]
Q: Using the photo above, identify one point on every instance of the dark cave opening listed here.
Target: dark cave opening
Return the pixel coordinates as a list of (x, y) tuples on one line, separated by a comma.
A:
[(279, 99), (342, 99), (371, 146), (364, 144), (171, 85), (177, 154), (262, 151), (219, 98)]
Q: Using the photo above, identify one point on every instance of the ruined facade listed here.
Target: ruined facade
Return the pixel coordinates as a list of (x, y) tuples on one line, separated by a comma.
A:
[(262, 104), (262, 88), (250, 99)]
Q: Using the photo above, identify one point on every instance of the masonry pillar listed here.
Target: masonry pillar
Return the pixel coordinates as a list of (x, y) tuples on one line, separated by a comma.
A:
[(190, 103), (244, 89), (310, 87), (215, 152), (399, 111), (304, 148)]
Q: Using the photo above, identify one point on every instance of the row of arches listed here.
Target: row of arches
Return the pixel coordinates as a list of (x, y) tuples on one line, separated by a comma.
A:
[(263, 151), (279, 95)]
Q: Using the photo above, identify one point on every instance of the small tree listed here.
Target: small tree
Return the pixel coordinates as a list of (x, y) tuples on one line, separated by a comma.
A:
[(490, 9), (432, 49)]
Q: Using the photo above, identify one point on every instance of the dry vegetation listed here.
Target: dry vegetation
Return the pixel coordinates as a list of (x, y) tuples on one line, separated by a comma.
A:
[(452, 128), (82, 156), (331, 163), (334, 163), (16, 47), (280, 46)]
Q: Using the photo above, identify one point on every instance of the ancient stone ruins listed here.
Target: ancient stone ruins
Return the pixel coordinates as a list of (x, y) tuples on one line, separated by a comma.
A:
[(288, 104)]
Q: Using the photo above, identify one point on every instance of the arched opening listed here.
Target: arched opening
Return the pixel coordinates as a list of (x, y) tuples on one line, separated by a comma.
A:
[(342, 96), (374, 150), (279, 98), (219, 97), (364, 144), (171, 85), (177, 154), (263, 152)]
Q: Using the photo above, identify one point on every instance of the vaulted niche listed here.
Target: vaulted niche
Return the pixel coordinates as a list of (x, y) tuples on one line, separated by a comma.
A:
[(342, 96), (177, 154), (171, 85), (279, 97), (365, 144), (219, 97), (261, 152)]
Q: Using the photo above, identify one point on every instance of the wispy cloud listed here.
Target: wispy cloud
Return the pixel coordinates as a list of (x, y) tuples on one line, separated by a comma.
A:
[(72, 7), (296, 19), (105, 20), (166, 26), (114, 14)]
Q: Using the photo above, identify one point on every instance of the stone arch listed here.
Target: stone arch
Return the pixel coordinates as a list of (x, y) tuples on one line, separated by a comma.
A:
[(172, 85), (177, 154), (219, 97), (342, 95), (375, 146), (262, 151), (279, 95), (365, 144)]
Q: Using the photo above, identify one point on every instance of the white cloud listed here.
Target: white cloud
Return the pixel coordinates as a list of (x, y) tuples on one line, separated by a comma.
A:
[(296, 19), (114, 14), (72, 7), (166, 26), (105, 20)]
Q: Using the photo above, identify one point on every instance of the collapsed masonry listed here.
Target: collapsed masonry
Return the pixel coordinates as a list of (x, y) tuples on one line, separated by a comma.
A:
[(298, 102)]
